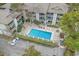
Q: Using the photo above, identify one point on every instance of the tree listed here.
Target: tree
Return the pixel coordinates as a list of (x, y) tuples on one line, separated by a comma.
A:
[(71, 43), (73, 7), (31, 51), (68, 25), (68, 21)]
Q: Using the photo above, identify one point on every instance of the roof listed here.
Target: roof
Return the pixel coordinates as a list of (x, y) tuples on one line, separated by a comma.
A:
[(6, 5), (51, 7), (2, 27), (6, 17)]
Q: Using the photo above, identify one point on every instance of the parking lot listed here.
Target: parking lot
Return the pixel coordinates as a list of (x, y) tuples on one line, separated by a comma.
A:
[(11, 50), (18, 49)]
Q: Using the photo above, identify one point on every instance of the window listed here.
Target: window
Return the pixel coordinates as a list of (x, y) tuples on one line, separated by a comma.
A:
[(60, 14), (49, 13), (33, 15), (49, 16), (10, 22), (33, 12), (11, 27), (42, 18), (41, 14)]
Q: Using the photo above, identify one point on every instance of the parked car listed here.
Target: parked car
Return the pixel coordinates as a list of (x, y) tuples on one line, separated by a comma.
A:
[(13, 42)]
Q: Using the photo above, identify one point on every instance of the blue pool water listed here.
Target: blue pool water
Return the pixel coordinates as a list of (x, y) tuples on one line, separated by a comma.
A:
[(40, 34)]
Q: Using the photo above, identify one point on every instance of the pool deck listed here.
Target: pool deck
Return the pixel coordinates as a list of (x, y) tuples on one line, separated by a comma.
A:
[(28, 26)]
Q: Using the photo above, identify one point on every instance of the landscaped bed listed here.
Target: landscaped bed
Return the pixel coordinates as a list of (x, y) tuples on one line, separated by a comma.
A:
[(38, 41)]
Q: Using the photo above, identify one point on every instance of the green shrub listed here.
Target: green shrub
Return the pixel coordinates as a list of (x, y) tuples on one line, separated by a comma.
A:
[(37, 22), (53, 26), (1, 54), (69, 52), (27, 20), (31, 51), (38, 41)]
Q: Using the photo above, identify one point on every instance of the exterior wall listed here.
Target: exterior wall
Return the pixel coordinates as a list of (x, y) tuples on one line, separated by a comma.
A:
[(19, 22), (54, 19), (33, 16), (41, 16), (37, 16), (55, 8)]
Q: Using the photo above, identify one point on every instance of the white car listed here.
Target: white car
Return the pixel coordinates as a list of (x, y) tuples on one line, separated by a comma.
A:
[(13, 42)]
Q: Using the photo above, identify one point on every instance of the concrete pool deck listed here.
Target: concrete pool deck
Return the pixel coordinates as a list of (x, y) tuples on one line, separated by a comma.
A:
[(28, 26)]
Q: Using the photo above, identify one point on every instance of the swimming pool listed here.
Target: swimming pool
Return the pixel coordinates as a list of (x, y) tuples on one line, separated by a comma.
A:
[(40, 34)]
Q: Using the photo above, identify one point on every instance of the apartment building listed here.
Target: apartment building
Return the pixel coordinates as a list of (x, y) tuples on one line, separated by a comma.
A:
[(10, 20), (49, 13)]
